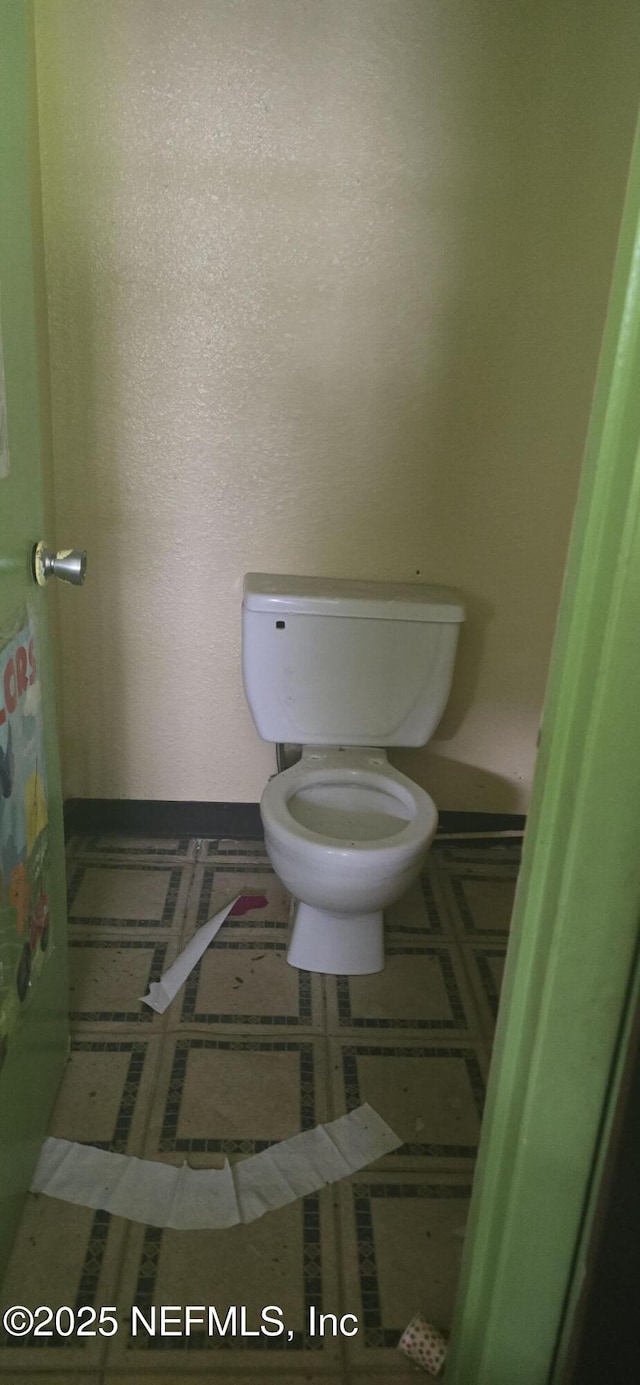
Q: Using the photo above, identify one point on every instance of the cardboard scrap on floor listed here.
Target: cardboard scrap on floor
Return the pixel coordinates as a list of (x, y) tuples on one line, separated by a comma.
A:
[(159, 1194)]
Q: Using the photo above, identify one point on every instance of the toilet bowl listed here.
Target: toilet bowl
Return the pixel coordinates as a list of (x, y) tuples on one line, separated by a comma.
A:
[(347, 834)]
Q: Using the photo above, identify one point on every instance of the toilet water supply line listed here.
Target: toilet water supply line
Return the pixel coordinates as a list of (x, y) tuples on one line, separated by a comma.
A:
[(286, 755)]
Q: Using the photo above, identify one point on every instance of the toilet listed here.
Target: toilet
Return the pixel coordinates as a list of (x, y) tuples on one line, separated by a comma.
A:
[(345, 669)]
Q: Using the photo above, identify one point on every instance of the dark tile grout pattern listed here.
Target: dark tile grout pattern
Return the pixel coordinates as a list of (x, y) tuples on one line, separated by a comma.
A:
[(251, 1052)]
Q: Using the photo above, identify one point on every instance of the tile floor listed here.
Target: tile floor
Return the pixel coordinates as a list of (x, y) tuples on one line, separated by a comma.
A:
[(251, 1052)]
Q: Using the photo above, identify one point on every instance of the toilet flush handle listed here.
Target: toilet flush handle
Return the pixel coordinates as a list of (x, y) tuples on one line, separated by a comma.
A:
[(69, 564)]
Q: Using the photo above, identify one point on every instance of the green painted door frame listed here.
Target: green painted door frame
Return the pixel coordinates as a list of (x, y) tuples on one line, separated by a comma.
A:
[(572, 968), (34, 1019)]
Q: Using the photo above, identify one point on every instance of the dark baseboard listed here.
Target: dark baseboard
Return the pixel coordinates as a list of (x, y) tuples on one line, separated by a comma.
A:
[(155, 818), (142, 817), (453, 822)]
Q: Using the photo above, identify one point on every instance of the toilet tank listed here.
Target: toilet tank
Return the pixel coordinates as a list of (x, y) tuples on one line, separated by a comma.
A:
[(327, 661)]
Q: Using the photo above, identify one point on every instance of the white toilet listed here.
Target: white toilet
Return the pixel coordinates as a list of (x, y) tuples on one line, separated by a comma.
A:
[(343, 669)]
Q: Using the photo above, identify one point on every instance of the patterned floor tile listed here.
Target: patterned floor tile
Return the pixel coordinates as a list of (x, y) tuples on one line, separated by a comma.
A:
[(402, 1245), (105, 1093), (63, 1256), (44, 1377), (286, 1259), (118, 895), (422, 911), (222, 1376), (396, 1370), (232, 850), (120, 848), (109, 975), (238, 1062), (485, 963), (454, 851), (248, 984), (422, 989), (214, 886), (236, 1096), (431, 1094), (480, 900)]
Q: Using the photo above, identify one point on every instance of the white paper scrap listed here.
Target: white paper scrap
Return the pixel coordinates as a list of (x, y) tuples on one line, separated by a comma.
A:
[(162, 992), (161, 1194), (145, 1190)]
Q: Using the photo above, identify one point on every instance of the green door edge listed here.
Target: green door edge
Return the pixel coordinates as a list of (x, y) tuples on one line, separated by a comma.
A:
[(575, 921), (577, 1303), (38, 1052)]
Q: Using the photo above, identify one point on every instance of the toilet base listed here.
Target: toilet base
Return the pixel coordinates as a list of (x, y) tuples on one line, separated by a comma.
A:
[(337, 944)]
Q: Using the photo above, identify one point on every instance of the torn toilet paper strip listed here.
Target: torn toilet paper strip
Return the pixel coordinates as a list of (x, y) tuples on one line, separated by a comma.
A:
[(185, 1199), (162, 992)]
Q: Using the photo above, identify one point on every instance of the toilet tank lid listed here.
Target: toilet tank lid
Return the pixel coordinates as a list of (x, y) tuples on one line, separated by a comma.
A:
[(338, 596)]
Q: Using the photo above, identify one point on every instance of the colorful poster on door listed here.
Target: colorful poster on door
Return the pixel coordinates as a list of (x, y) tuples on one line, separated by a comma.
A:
[(24, 835)]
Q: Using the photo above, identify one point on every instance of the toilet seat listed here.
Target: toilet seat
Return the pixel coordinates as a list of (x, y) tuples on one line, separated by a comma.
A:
[(346, 834), (337, 776)]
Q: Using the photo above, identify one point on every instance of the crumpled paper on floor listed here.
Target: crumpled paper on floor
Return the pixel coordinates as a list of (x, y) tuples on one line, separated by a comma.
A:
[(162, 992), (157, 1194), (424, 1344)]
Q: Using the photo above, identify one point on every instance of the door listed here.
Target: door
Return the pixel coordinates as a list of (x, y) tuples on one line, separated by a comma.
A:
[(572, 978), (33, 956)]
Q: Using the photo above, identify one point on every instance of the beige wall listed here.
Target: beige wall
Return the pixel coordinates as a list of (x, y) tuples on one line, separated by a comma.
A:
[(326, 285)]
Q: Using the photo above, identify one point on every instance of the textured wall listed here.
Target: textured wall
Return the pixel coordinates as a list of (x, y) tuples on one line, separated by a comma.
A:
[(326, 284)]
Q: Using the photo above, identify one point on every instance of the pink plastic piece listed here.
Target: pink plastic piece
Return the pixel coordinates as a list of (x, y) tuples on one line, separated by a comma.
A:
[(247, 902)]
